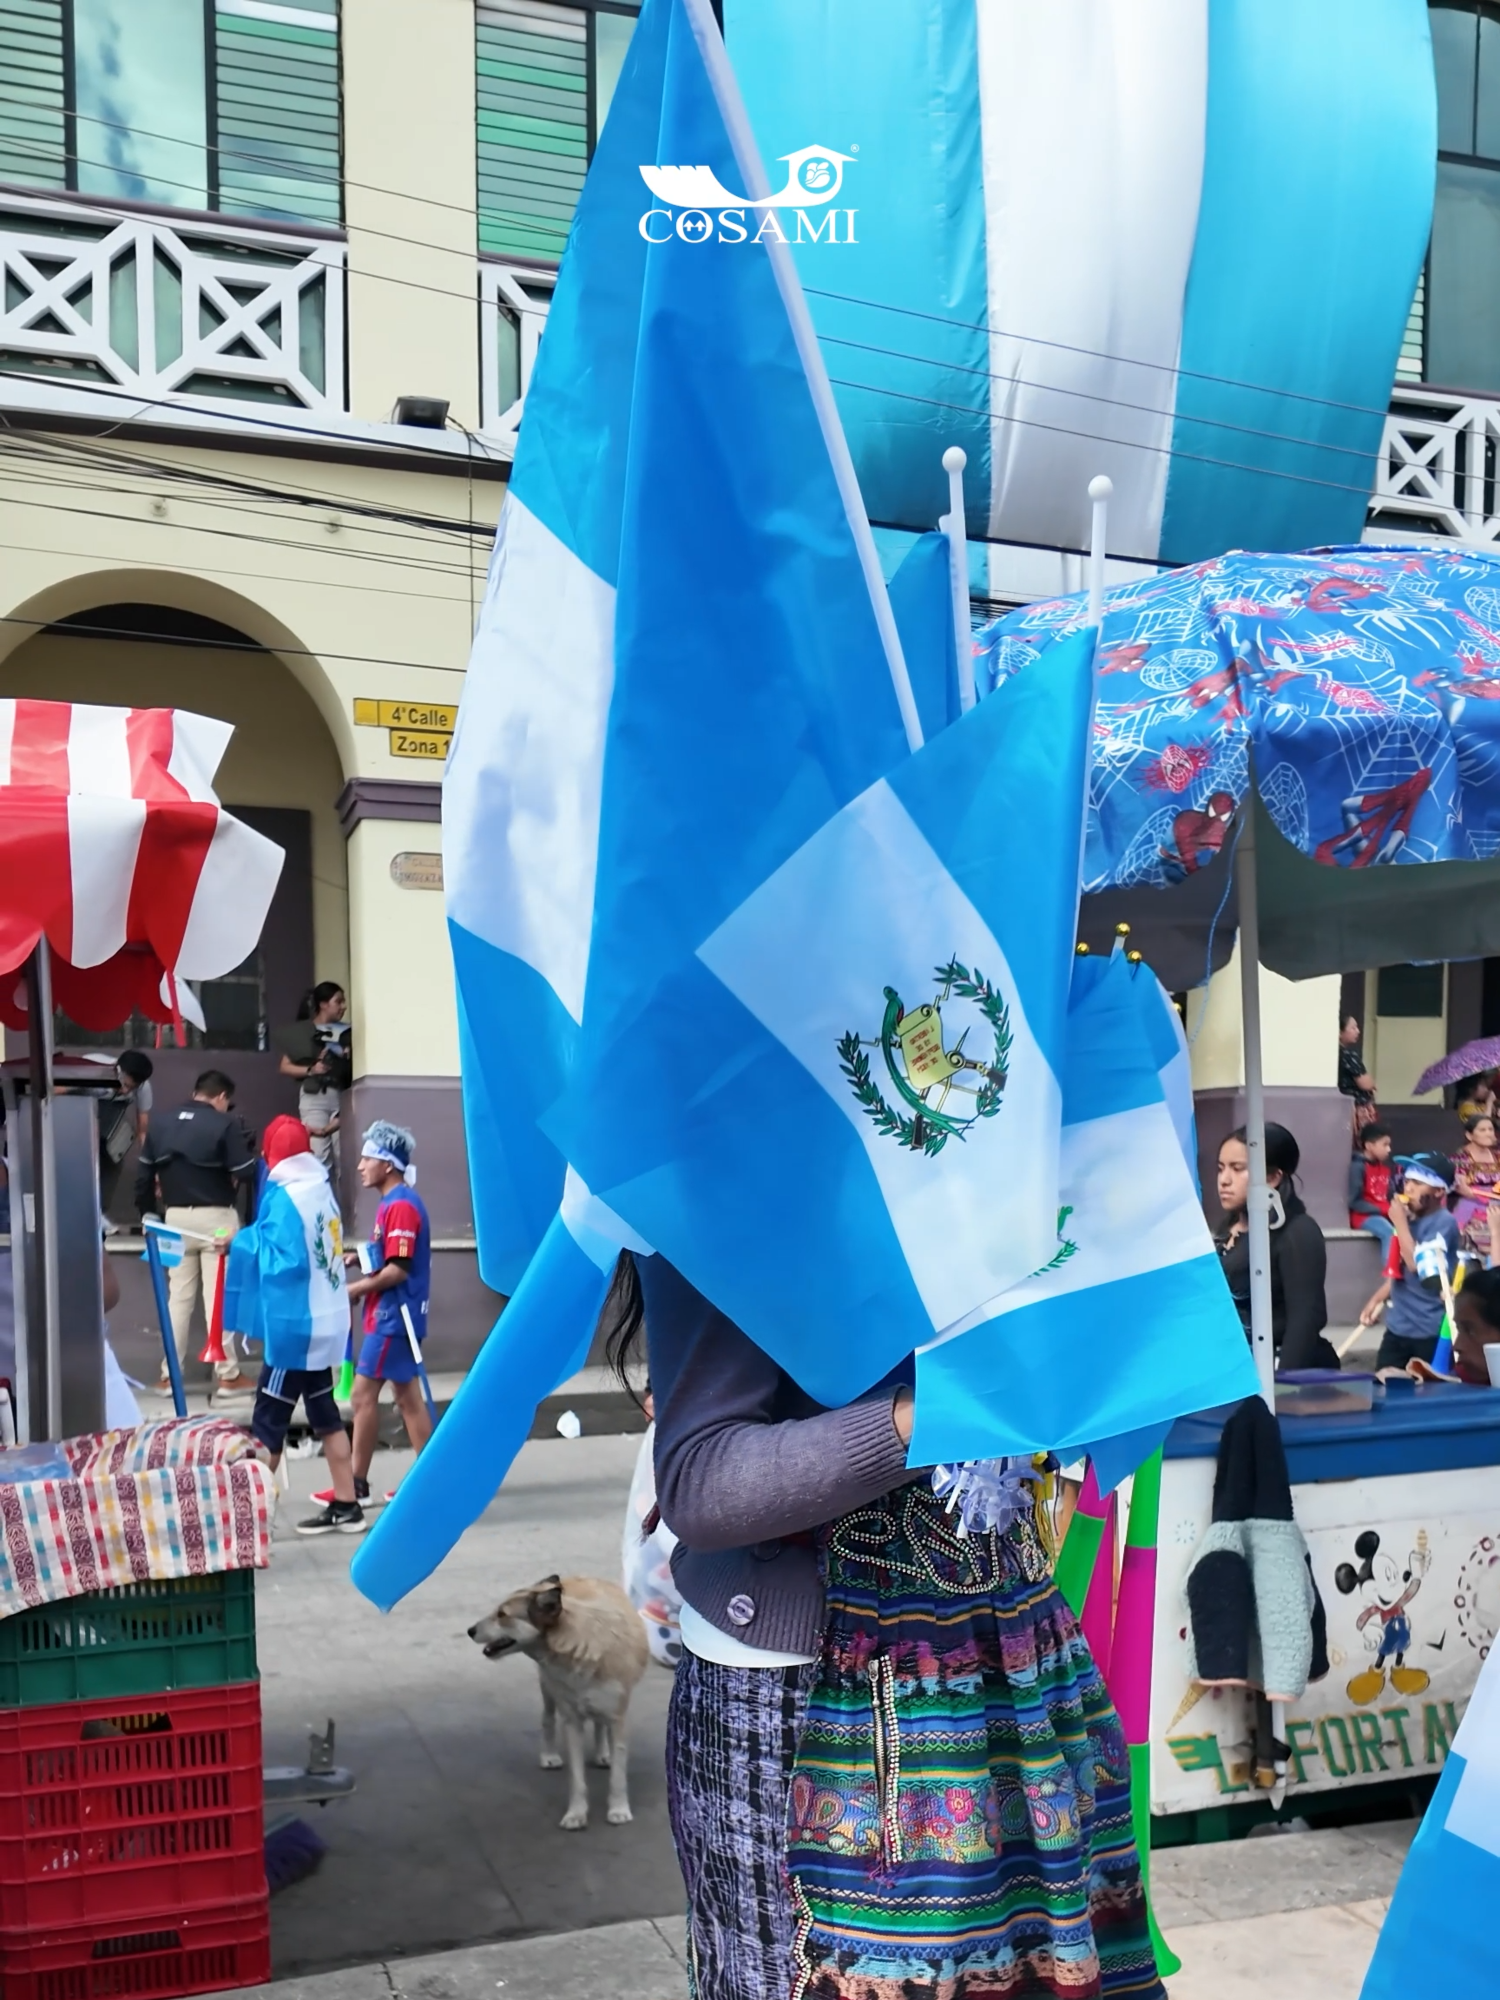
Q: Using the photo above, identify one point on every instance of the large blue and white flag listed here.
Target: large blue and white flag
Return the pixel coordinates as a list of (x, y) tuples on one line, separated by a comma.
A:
[(686, 663), (522, 789), (839, 1116), (285, 1283), (1450, 1882), (1175, 241), (1128, 1323)]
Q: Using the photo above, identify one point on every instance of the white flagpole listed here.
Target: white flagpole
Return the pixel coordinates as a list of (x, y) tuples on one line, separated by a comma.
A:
[(1101, 492), (1258, 1197), (954, 526), (731, 105)]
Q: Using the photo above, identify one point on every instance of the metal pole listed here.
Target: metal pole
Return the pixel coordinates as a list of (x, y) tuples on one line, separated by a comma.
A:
[(955, 527), (44, 1177), (21, 1296), (164, 1317), (1101, 492), (1258, 1200)]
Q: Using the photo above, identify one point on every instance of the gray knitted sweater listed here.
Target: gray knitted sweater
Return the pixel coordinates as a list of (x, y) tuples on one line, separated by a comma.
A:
[(745, 1461)]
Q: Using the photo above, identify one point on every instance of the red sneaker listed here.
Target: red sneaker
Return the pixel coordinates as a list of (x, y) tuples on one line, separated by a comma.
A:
[(362, 1494)]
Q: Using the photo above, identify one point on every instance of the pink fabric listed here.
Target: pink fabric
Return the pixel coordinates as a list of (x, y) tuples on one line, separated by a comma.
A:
[(1129, 1673), (1099, 1607)]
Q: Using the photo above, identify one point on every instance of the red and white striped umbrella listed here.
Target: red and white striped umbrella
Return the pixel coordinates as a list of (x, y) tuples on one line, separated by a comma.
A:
[(114, 845)]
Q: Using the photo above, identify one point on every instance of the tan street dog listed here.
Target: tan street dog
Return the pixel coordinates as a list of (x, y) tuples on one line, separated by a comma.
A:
[(589, 1646)]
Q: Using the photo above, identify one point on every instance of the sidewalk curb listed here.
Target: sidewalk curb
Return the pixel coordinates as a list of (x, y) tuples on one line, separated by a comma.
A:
[(642, 1960)]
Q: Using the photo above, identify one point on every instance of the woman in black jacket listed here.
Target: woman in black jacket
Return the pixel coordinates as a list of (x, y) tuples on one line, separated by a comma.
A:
[(1299, 1256)]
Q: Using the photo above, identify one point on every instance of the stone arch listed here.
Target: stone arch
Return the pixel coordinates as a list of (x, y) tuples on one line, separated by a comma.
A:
[(131, 639), (199, 596)]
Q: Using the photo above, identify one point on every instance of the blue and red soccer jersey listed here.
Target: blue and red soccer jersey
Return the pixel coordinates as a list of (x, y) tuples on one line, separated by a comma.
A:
[(401, 1230)]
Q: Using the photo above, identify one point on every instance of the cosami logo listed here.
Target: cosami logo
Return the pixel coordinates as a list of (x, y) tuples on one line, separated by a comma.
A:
[(701, 209)]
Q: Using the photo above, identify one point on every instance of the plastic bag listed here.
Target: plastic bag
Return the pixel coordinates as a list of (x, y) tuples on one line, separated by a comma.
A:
[(23, 1462), (646, 1562)]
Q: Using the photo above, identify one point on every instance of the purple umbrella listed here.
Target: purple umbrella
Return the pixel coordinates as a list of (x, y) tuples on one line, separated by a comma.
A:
[(1467, 1061)]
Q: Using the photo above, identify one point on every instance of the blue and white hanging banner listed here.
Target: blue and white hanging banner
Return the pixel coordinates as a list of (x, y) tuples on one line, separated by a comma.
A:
[(1170, 241)]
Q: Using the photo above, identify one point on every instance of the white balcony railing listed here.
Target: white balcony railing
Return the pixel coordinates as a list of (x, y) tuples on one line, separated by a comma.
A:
[(513, 305), (169, 311), (1438, 472)]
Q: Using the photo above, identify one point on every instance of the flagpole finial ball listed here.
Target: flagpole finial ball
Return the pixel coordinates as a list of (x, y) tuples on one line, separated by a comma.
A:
[(1122, 930), (955, 458), (1134, 958), (1101, 488), (1080, 951)]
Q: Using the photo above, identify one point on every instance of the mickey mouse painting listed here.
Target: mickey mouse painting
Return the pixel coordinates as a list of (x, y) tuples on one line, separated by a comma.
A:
[(1384, 1591)]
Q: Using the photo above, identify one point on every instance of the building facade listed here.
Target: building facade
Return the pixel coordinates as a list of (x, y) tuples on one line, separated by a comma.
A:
[(274, 277)]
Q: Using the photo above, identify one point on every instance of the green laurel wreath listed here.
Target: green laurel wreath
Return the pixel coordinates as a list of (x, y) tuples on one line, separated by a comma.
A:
[(917, 1133), (974, 986), (1067, 1248), (914, 1133)]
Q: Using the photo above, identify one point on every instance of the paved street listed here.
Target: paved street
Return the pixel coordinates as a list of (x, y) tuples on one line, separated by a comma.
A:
[(1295, 1914), (453, 1835)]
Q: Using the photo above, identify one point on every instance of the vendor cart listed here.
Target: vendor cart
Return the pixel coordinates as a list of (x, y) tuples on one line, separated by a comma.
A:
[(1401, 1510)]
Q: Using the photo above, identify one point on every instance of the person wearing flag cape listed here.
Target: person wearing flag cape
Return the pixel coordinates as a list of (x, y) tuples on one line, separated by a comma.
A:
[(285, 1287)]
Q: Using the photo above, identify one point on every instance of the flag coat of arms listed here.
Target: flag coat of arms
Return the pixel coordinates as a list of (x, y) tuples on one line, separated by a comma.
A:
[(285, 1282)]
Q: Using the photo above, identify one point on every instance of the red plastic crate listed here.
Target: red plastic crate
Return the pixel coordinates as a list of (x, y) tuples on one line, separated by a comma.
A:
[(200, 1951), (129, 1809)]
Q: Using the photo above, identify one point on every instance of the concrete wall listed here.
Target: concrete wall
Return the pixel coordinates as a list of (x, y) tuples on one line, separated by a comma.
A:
[(399, 957), (347, 608), (410, 162), (1299, 1030)]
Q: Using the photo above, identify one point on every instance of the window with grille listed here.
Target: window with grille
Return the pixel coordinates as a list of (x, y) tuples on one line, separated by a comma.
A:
[(545, 75), (230, 105), (1462, 295)]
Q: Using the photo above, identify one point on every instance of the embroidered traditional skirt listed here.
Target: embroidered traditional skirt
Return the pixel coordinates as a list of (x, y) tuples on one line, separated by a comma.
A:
[(731, 1737), (960, 1814)]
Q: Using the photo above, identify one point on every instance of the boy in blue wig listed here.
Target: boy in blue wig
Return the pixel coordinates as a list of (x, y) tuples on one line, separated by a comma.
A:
[(396, 1276), (285, 1287)]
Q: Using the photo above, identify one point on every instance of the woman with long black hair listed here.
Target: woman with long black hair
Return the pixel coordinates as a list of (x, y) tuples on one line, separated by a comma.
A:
[(892, 1765), (1299, 1256)]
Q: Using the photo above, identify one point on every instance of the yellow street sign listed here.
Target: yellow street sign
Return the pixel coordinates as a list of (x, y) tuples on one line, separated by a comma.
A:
[(405, 715), (429, 743)]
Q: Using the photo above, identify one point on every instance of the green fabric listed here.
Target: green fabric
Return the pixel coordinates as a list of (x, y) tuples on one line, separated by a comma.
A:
[(1076, 1559), (1316, 920), (1145, 1504), (1168, 1964)]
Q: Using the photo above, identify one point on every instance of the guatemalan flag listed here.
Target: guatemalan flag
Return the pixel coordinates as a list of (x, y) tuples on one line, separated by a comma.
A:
[(1175, 241), (285, 1282), (1129, 1323), (839, 1117), (1444, 1905)]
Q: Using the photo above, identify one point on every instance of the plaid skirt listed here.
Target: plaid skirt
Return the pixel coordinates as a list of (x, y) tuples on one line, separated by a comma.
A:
[(731, 1741)]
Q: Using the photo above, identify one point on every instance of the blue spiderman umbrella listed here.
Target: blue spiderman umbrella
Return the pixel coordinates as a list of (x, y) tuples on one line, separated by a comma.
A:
[(1362, 685)]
